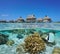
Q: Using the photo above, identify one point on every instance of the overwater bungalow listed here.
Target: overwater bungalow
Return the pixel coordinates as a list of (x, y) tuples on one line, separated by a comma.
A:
[(47, 19), (31, 19), (20, 20)]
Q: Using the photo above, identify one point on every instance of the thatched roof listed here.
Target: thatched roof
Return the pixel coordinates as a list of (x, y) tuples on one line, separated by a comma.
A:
[(47, 18), (31, 17), (20, 19)]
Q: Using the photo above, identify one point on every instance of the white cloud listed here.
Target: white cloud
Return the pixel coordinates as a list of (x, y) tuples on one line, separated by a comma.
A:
[(4, 15)]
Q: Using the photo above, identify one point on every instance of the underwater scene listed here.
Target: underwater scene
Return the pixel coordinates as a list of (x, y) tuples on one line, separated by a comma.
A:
[(30, 41)]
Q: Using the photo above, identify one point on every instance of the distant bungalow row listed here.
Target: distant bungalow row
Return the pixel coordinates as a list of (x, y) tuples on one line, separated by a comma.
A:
[(29, 19)]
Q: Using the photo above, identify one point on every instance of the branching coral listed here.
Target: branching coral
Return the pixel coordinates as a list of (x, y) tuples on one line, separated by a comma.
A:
[(20, 49), (10, 42), (56, 50), (34, 44)]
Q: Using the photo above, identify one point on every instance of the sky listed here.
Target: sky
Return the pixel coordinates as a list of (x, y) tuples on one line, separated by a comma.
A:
[(13, 9)]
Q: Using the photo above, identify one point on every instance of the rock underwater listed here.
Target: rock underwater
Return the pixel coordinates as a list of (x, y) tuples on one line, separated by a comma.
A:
[(3, 39), (19, 36)]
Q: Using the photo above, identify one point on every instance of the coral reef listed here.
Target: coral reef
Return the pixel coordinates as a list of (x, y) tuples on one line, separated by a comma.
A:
[(10, 42), (3, 39), (20, 49), (34, 44), (56, 50), (15, 31), (30, 31), (19, 36)]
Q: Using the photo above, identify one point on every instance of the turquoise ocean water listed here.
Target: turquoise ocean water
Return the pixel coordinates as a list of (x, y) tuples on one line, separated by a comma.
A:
[(18, 32)]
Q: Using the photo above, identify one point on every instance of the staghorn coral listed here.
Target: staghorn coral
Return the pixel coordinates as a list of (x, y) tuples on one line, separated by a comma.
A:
[(56, 50), (34, 44), (20, 49), (10, 42)]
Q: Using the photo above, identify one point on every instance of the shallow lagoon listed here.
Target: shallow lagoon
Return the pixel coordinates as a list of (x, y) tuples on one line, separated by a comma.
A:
[(18, 36)]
